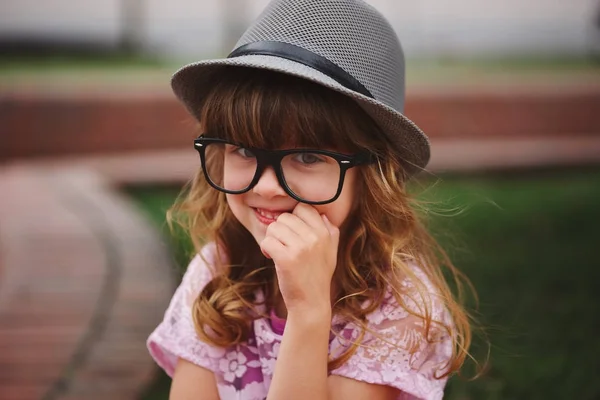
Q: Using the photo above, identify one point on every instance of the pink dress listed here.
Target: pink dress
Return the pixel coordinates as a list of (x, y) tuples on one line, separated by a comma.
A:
[(245, 371)]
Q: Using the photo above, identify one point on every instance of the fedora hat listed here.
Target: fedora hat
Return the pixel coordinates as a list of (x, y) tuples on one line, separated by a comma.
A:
[(344, 45)]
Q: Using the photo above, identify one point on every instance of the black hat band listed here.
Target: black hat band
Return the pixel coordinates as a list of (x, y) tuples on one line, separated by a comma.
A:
[(302, 56)]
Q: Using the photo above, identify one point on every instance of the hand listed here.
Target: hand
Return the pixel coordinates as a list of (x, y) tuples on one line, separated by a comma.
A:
[(303, 246)]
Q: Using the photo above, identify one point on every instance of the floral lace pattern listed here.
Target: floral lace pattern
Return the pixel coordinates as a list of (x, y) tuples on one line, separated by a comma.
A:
[(396, 352)]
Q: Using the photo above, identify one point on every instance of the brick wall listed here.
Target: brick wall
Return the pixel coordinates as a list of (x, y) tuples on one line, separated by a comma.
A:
[(39, 126)]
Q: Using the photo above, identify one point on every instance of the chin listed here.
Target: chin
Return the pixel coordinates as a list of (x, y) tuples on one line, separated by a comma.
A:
[(258, 237)]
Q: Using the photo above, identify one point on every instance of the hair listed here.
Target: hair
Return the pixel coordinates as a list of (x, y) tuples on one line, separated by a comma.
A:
[(381, 240)]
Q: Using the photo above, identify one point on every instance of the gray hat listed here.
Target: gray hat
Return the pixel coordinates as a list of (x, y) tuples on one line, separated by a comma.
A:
[(344, 45)]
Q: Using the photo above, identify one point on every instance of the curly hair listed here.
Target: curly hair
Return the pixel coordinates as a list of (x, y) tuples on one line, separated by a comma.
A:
[(379, 240)]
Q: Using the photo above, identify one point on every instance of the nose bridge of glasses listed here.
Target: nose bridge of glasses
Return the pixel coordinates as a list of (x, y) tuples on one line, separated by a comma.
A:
[(268, 160), (268, 172)]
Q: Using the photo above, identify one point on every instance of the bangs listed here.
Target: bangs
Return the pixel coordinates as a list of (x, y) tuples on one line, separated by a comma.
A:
[(269, 110)]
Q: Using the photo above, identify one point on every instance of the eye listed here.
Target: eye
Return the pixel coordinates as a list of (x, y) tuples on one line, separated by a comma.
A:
[(242, 152), (308, 158)]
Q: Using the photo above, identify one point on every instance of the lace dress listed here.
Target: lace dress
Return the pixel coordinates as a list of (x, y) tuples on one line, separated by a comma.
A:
[(245, 371)]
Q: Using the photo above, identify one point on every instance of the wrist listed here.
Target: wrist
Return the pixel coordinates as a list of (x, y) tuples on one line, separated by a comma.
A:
[(311, 317)]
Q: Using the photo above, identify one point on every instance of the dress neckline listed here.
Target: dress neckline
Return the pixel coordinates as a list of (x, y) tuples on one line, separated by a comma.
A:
[(277, 323)]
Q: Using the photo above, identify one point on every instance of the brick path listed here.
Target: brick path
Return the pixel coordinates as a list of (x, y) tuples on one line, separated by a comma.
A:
[(83, 280)]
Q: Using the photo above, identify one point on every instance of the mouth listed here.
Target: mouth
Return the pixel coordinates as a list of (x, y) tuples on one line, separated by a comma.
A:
[(267, 217)]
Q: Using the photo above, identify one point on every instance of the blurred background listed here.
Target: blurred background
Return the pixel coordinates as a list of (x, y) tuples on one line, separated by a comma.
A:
[(94, 148)]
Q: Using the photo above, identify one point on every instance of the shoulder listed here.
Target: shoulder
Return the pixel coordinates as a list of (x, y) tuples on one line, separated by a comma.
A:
[(201, 268), (175, 337), (414, 294), (399, 348)]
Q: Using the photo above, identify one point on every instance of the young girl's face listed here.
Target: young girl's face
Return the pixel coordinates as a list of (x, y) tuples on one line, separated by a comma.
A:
[(273, 111), (260, 206)]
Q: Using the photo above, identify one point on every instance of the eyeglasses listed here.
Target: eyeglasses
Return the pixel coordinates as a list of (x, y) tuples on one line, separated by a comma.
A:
[(307, 175)]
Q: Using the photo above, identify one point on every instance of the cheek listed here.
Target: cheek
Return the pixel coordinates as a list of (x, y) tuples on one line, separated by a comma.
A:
[(237, 178), (235, 203), (338, 211)]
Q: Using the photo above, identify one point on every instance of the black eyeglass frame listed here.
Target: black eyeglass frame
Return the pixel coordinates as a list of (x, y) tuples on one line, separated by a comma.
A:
[(265, 158)]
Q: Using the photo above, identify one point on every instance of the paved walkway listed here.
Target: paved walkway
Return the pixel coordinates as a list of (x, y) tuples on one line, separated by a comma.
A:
[(83, 279)]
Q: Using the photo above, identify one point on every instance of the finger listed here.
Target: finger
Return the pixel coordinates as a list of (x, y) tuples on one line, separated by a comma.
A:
[(295, 224), (310, 216), (272, 247), (334, 231), (265, 253), (282, 232)]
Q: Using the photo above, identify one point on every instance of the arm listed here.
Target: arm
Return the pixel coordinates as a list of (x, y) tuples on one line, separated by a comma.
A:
[(301, 369), (189, 381), (304, 246), (341, 388)]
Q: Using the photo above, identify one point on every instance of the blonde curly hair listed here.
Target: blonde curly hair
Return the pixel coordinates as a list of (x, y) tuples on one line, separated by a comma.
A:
[(379, 240)]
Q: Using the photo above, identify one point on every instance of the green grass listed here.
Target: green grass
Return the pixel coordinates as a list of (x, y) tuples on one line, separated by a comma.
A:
[(37, 71), (529, 245), (84, 61), (155, 202)]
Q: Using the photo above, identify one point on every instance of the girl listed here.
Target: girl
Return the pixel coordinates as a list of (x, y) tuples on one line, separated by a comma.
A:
[(314, 276)]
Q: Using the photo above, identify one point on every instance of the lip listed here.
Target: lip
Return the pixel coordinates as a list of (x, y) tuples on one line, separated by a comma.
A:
[(264, 219)]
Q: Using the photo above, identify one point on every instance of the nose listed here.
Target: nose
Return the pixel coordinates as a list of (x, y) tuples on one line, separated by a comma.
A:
[(268, 185)]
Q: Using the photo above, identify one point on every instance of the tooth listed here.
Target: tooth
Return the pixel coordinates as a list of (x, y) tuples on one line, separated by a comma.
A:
[(268, 214)]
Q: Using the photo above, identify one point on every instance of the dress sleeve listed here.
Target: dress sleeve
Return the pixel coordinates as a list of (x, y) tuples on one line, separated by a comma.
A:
[(396, 352), (175, 337)]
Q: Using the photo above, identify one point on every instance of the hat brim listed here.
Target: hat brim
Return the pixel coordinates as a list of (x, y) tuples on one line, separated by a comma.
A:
[(191, 83)]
